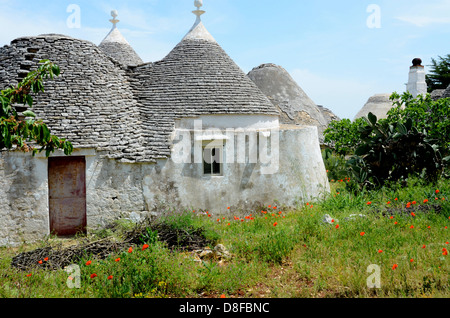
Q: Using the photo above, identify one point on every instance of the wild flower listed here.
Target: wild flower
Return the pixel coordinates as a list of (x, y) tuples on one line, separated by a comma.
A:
[(145, 247), (394, 267), (93, 275), (88, 263), (130, 250)]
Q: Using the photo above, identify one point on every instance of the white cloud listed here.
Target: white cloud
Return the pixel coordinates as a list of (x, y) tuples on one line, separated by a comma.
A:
[(427, 13)]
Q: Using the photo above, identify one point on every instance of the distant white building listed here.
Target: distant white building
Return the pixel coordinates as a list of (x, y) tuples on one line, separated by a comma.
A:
[(380, 104), (417, 79)]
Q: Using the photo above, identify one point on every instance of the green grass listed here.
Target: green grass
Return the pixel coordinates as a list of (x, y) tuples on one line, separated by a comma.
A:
[(278, 253)]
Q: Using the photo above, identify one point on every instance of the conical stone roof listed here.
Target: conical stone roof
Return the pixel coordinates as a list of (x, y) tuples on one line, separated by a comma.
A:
[(446, 93), (378, 105), (116, 46), (288, 97), (91, 103), (196, 78)]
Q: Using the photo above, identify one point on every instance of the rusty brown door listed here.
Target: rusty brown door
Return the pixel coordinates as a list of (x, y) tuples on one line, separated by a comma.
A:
[(67, 195)]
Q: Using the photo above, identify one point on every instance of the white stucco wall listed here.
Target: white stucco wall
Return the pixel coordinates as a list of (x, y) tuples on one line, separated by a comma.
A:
[(131, 190)]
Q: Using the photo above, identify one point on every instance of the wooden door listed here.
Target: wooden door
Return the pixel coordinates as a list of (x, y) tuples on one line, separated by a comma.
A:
[(67, 195)]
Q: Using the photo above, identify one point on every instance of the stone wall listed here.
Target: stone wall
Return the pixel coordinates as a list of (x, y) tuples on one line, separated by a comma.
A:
[(133, 191)]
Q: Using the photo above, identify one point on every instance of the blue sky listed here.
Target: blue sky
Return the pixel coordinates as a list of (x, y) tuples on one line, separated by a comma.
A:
[(326, 45)]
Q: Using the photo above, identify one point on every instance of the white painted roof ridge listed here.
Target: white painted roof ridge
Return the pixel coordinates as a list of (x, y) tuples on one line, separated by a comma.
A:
[(198, 30), (114, 35)]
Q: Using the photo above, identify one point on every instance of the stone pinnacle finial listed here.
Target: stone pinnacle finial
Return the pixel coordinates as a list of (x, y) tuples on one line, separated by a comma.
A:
[(114, 21), (198, 12)]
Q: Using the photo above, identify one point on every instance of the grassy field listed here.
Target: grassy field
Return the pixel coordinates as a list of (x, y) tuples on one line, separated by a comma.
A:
[(396, 238)]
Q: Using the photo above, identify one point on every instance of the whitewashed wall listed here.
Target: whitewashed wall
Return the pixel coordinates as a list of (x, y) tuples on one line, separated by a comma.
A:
[(133, 190)]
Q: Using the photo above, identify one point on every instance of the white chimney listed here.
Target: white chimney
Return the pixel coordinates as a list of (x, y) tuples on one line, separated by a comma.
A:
[(416, 83)]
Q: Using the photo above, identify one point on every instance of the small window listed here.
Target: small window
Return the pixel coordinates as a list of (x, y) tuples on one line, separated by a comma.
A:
[(212, 160)]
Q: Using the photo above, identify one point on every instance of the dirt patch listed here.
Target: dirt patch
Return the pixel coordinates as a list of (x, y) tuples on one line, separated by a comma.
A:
[(53, 257), (403, 210)]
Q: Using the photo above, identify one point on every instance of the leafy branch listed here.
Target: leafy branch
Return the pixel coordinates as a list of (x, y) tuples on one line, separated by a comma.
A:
[(24, 134)]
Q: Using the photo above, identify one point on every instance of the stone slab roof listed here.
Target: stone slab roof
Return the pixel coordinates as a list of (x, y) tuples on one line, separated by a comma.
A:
[(437, 94), (91, 103), (196, 78), (446, 93), (117, 47), (378, 105), (129, 113), (293, 104)]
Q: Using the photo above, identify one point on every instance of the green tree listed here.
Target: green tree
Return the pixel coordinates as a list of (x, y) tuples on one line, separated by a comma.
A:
[(439, 77), (343, 136), (428, 115), (28, 134)]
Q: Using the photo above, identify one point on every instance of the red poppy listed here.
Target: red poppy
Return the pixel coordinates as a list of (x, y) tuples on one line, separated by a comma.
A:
[(274, 207), (88, 263), (444, 251), (369, 203), (223, 296), (411, 260), (362, 233), (391, 217), (414, 202), (228, 208), (110, 277), (130, 250), (145, 247), (437, 191), (46, 259), (29, 275), (411, 227), (396, 199), (337, 226), (40, 262), (424, 246), (117, 259), (275, 224), (413, 214), (394, 266), (425, 201), (93, 275), (380, 251)]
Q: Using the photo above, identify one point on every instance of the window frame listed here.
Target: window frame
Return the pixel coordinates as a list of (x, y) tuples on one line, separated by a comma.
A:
[(216, 145)]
